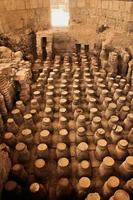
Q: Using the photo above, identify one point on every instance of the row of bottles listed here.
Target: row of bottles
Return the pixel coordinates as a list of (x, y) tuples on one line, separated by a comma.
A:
[(73, 139)]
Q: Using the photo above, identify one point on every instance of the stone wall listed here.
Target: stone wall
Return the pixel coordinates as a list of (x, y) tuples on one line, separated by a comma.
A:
[(23, 14), (16, 15), (114, 13)]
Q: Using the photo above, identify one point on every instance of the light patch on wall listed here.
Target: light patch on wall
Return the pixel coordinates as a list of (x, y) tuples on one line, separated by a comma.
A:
[(60, 13), (60, 18)]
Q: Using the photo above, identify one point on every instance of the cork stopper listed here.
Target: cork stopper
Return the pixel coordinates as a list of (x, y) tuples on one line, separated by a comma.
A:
[(62, 110), (39, 86), (15, 111), (63, 119), (130, 93), (42, 147), (125, 108), (122, 99), (33, 112), (130, 184), (91, 92), (40, 163), (61, 146), (122, 80), (108, 161), (50, 87), (27, 116), (46, 120), (97, 120), (20, 146), (118, 91), (17, 168), (93, 110), (85, 164), (130, 117), (112, 106), (8, 136), (115, 85), (50, 79), (83, 146), (92, 100), (81, 118), (129, 161), (118, 77), (118, 129), (34, 187), (102, 143), (36, 93), (76, 81), (90, 85), (63, 182), (63, 101), (19, 103), (48, 110), (100, 132), (108, 99), (49, 94), (123, 144), (76, 92), (105, 92), (10, 185), (26, 132), (114, 118), (63, 162), (63, 86), (93, 196), (49, 101), (84, 183), (100, 80), (113, 182), (81, 131), (10, 120), (101, 85), (63, 132), (121, 195), (44, 133), (34, 101)]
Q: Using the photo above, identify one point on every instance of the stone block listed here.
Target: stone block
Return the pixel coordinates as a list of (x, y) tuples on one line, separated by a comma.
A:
[(130, 26), (9, 5), (40, 3), (81, 4), (92, 4), (46, 3), (104, 4), (129, 17), (19, 5), (116, 5), (123, 16), (115, 14), (27, 4), (122, 6), (34, 4), (73, 4), (2, 6), (110, 5), (14, 5), (99, 4), (129, 7)]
